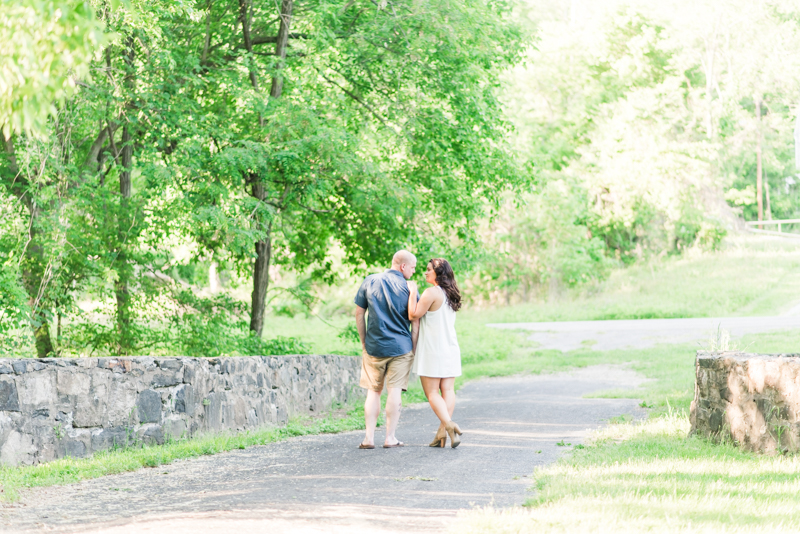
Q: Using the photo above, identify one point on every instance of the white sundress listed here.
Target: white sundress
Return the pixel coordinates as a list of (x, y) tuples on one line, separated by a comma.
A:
[(438, 354)]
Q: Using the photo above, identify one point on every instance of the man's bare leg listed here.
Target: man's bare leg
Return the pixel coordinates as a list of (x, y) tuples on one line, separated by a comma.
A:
[(372, 408), (394, 401)]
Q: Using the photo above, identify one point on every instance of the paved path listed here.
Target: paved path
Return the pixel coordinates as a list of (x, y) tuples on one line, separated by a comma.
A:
[(636, 334), (325, 484)]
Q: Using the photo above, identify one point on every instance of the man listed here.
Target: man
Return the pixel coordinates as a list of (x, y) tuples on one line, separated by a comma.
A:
[(388, 341)]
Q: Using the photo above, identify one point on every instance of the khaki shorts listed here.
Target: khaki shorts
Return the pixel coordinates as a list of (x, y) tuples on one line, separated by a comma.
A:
[(393, 371)]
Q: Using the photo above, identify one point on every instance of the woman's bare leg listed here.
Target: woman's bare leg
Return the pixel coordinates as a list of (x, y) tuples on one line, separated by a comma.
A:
[(431, 387), (448, 387)]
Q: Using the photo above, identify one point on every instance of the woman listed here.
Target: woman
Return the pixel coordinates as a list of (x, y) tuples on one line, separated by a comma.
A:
[(438, 358)]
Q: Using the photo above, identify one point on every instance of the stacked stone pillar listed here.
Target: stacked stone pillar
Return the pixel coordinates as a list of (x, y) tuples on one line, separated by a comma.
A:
[(751, 400)]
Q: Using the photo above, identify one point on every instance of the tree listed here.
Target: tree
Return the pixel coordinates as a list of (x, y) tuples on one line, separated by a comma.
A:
[(369, 106)]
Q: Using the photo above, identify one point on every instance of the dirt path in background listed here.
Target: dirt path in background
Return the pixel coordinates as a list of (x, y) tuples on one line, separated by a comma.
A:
[(325, 484), (645, 333)]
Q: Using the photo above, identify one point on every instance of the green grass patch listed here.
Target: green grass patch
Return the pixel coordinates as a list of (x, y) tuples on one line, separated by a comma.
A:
[(668, 368), (651, 478), (71, 470)]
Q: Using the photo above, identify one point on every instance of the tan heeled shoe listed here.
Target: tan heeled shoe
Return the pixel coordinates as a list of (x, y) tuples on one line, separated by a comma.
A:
[(454, 432), (441, 438)]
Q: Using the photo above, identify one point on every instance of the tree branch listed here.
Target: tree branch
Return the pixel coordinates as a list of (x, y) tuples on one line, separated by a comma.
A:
[(248, 44), (94, 150), (19, 182), (281, 44), (273, 39), (354, 97), (314, 210), (207, 40)]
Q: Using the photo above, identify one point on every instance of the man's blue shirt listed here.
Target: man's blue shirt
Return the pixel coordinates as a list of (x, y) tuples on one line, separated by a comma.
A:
[(385, 297)]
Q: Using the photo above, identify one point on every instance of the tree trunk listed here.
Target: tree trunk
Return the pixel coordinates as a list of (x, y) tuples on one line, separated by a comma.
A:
[(287, 7), (766, 193), (260, 274), (33, 266), (214, 282), (708, 65), (34, 274), (59, 330), (759, 178), (125, 221), (264, 247), (260, 285), (244, 15), (124, 272)]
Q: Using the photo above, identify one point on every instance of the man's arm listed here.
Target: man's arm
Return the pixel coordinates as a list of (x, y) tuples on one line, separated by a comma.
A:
[(361, 325), (414, 334)]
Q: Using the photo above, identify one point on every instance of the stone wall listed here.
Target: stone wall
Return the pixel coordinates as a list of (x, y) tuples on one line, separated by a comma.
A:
[(58, 407), (752, 400)]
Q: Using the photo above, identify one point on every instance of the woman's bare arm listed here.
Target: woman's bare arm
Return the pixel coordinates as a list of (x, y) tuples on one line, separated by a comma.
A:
[(412, 299), (417, 309)]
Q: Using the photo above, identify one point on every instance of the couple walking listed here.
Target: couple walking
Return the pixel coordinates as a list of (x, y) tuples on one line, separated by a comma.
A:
[(404, 333)]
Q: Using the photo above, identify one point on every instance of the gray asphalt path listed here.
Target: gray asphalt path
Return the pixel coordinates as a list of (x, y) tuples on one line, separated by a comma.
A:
[(325, 484), (643, 333)]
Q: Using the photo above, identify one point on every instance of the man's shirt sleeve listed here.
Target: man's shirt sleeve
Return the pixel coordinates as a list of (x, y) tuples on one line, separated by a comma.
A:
[(361, 296)]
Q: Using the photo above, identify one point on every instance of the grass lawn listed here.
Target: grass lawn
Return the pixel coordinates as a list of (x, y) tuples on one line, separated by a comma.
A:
[(651, 477)]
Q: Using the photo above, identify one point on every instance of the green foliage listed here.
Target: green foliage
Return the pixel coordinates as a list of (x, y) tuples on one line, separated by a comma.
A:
[(48, 45), (349, 333), (179, 322), (544, 242), (573, 256), (218, 326), (695, 229), (389, 125), (13, 309)]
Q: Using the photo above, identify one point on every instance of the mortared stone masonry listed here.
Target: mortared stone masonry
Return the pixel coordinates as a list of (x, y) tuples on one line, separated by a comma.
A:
[(752, 400), (58, 407)]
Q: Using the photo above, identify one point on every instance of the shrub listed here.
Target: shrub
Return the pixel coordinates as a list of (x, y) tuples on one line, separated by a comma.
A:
[(179, 322)]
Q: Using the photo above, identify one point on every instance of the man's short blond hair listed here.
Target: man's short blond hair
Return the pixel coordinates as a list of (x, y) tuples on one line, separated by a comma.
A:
[(403, 256)]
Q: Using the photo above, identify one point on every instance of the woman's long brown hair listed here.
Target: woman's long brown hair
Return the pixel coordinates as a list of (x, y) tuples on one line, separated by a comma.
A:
[(447, 281)]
